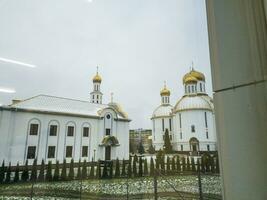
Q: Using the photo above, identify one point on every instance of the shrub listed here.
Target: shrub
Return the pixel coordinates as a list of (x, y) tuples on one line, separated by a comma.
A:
[(134, 168), (129, 169), (56, 172), (71, 171), (212, 164), (167, 142), (217, 169), (145, 167), (63, 176), (16, 178), (92, 171), (183, 164), (168, 165), (141, 149), (79, 173), (49, 172), (140, 167), (152, 167), (105, 171), (178, 164), (173, 164), (41, 173), (117, 168), (151, 149), (162, 164), (34, 171), (84, 170), (98, 170), (25, 172), (8, 174), (123, 171), (2, 172)]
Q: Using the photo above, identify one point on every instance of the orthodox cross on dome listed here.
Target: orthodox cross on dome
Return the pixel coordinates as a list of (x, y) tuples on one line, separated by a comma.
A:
[(192, 66), (97, 69), (165, 84)]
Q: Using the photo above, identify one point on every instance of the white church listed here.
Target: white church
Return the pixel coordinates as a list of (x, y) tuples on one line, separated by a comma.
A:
[(55, 128), (191, 122)]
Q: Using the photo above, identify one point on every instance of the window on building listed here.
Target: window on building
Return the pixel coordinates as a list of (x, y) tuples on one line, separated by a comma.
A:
[(170, 137), (185, 88), (182, 147), (163, 136), (33, 129), (206, 121), (85, 131), (68, 151), (200, 87), (84, 151), (181, 135), (207, 135), (193, 130), (180, 120), (107, 131), (189, 89), (208, 147), (93, 97), (162, 124), (31, 152), (70, 131), (108, 116), (170, 124), (51, 152), (192, 88), (53, 130)]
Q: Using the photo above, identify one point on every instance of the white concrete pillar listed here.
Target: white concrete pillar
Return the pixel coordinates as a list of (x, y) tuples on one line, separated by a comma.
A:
[(238, 49)]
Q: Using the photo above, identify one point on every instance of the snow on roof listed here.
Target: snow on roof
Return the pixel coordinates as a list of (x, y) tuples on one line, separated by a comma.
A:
[(46, 103)]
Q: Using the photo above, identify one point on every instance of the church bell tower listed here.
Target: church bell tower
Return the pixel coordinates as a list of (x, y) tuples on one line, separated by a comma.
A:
[(96, 94)]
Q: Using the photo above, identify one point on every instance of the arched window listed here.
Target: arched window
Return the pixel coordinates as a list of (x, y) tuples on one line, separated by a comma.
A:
[(34, 127), (53, 128)]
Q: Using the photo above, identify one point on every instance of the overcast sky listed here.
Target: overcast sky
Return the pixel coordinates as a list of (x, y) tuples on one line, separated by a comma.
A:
[(137, 44)]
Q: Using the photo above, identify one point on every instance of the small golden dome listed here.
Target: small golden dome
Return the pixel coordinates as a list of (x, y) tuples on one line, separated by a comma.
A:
[(193, 75), (165, 92), (97, 78), (190, 79)]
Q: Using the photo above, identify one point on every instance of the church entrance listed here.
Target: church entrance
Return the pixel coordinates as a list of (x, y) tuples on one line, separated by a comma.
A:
[(194, 144), (108, 153)]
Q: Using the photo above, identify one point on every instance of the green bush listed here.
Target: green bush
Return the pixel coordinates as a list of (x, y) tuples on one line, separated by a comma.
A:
[(8, 174), (173, 164), (25, 172), (168, 165), (152, 167), (167, 142), (134, 167), (34, 171), (71, 171), (183, 164), (49, 176), (123, 171), (16, 178), (79, 173), (56, 172), (145, 167), (178, 164), (129, 169), (2, 172), (92, 171), (63, 176), (41, 173), (84, 170), (117, 168), (140, 167)]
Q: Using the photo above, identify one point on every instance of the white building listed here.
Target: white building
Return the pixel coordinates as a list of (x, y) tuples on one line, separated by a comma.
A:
[(54, 128), (190, 123)]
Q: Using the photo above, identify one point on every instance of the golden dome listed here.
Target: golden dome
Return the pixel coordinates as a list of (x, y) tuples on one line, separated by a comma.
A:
[(193, 76), (165, 92), (97, 78)]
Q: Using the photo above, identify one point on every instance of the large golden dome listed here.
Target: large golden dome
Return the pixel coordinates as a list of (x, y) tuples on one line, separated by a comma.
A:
[(165, 91), (193, 76), (97, 78)]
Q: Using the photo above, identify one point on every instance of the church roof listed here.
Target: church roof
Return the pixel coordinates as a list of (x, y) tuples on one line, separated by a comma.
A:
[(59, 105), (162, 111), (194, 102)]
